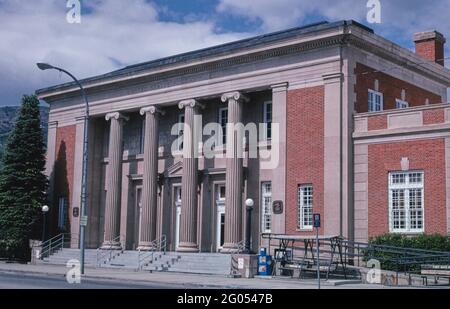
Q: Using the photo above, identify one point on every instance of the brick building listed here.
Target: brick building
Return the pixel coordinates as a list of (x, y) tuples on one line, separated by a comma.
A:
[(356, 128)]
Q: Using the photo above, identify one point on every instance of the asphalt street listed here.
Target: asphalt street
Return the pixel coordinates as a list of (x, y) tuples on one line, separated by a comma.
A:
[(12, 280)]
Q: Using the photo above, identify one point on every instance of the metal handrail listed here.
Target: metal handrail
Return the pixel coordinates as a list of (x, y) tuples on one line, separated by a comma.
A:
[(147, 256), (54, 244), (106, 254)]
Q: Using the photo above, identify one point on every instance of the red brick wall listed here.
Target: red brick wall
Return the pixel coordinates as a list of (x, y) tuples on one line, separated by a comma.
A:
[(305, 150), (433, 116), (378, 122), (64, 164), (426, 155), (390, 87)]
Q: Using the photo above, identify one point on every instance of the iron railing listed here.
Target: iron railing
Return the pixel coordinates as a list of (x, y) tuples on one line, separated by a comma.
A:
[(146, 257), (106, 254), (408, 261), (56, 243)]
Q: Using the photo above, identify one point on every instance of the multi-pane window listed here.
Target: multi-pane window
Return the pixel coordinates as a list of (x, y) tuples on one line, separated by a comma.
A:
[(406, 209), (266, 207), (401, 104), (142, 137), (375, 101), (267, 118), (223, 120), (305, 207), (180, 131), (62, 212)]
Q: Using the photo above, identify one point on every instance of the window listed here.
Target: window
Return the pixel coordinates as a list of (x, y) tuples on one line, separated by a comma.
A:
[(62, 212), (180, 131), (375, 101), (221, 193), (223, 120), (267, 119), (401, 104), (406, 214), (266, 207), (305, 207), (142, 139), (177, 195)]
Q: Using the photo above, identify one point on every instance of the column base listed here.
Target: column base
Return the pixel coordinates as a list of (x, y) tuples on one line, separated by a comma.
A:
[(229, 248), (187, 247), (111, 245), (145, 246)]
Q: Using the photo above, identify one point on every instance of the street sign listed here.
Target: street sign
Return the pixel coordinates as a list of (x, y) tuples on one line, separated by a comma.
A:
[(83, 220), (316, 220), (316, 223)]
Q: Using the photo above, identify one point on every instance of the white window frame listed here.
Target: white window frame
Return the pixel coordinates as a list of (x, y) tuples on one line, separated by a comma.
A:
[(371, 103), (267, 135), (223, 125), (303, 207), (401, 104), (406, 187), (180, 132), (266, 207)]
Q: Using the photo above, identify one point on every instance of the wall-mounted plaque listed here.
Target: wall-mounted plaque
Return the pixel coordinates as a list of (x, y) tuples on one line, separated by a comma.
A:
[(277, 207), (76, 212)]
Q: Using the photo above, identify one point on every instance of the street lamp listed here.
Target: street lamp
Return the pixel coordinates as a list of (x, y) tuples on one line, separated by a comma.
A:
[(44, 209), (83, 210), (248, 231)]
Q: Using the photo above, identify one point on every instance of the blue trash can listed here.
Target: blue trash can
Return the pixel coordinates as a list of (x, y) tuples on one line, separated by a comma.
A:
[(264, 263)]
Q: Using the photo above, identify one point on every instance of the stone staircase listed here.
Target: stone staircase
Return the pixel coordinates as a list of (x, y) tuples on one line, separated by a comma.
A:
[(61, 257), (195, 263)]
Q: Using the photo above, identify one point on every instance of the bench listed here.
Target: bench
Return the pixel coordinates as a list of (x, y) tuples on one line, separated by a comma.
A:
[(307, 265), (436, 271)]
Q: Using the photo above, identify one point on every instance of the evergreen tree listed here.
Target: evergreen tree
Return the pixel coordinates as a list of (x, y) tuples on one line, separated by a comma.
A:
[(22, 183)]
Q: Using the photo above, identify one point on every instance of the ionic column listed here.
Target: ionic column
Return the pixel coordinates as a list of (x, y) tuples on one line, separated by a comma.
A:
[(234, 173), (150, 180), (112, 208), (188, 227)]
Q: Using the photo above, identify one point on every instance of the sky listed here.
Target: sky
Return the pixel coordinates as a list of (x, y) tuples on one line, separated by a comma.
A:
[(116, 33)]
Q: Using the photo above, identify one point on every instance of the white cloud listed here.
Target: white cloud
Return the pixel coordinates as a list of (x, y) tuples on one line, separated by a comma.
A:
[(400, 19), (113, 34)]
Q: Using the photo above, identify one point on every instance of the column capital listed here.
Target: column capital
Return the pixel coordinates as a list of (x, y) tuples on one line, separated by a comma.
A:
[(236, 95), (152, 110), (332, 77), (191, 102), (116, 115), (279, 87), (52, 124)]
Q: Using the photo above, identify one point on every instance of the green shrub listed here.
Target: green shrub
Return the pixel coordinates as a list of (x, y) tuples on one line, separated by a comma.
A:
[(388, 259)]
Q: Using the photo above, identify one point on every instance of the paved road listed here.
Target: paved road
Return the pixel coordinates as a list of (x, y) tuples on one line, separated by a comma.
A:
[(12, 280)]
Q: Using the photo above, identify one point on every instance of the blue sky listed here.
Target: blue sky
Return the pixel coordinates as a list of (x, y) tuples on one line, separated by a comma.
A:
[(115, 33)]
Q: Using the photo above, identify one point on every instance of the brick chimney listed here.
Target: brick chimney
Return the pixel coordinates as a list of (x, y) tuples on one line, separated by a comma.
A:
[(430, 45)]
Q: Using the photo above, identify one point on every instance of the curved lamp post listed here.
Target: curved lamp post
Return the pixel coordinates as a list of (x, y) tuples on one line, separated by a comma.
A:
[(45, 210), (83, 210), (248, 231)]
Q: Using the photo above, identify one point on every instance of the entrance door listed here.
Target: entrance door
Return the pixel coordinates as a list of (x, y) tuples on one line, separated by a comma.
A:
[(177, 198), (138, 216), (220, 218)]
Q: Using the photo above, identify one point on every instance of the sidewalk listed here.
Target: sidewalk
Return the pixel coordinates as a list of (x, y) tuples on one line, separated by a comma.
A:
[(189, 280)]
